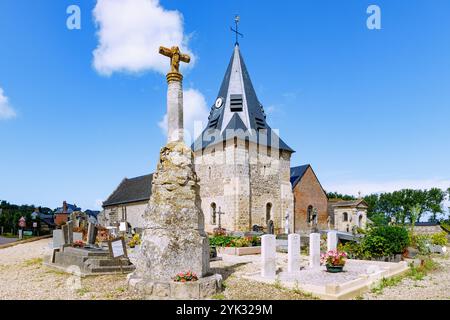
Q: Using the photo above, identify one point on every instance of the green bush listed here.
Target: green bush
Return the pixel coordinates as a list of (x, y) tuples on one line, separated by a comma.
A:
[(230, 241), (383, 241), (421, 242), (439, 239)]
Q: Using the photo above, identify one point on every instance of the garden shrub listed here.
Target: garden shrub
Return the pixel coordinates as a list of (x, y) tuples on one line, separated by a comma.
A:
[(237, 242), (439, 239)]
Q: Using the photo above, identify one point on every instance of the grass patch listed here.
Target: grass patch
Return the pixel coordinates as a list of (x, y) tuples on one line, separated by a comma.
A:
[(81, 292), (414, 273), (385, 283), (219, 296), (121, 289), (33, 262), (277, 284)]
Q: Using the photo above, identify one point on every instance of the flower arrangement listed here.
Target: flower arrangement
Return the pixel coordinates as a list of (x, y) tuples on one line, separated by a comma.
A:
[(135, 241), (333, 258), (186, 277), (78, 244)]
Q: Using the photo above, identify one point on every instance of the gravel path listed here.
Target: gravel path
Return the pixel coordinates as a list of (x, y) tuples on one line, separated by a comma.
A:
[(22, 276), (434, 286)]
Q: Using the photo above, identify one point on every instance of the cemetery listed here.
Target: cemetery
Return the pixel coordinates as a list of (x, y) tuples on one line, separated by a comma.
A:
[(227, 217)]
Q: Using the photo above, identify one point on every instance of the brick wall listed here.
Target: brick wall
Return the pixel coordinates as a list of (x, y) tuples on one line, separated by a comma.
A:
[(308, 192)]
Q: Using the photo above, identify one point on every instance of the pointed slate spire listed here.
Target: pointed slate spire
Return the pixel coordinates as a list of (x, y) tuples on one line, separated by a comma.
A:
[(237, 107)]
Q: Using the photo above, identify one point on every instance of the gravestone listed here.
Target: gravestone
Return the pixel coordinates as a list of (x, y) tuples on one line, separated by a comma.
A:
[(268, 256), (293, 252), (65, 232), (314, 250), (331, 240), (69, 232), (58, 239), (77, 236), (92, 233)]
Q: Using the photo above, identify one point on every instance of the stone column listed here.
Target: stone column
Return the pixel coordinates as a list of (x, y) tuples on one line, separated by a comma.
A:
[(314, 250), (174, 110), (293, 253), (331, 240), (268, 256)]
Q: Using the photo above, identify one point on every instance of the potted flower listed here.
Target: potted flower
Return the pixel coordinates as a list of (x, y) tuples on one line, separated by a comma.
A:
[(334, 260), (78, 244), (186, 277)]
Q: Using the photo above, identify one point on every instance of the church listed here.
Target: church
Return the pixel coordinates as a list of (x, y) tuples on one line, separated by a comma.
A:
[(244, 170)]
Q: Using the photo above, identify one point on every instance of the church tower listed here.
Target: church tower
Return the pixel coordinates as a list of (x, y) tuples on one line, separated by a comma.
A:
[(242, 163)]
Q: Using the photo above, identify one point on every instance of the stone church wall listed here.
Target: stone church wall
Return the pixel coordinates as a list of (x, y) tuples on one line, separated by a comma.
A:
[(242, 180)]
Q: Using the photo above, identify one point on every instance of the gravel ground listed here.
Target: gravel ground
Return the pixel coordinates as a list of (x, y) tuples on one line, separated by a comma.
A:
[(22, 276), (434, 286)]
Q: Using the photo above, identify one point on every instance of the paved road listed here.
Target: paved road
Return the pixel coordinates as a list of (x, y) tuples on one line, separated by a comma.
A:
[(7, 240)]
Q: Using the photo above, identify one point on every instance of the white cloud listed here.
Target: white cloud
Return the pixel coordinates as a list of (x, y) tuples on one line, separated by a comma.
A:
[(195, 114), (6, 110), (368, 187), (130, 33)]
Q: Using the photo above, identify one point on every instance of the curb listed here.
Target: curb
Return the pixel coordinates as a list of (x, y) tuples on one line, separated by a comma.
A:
[(12, 244)]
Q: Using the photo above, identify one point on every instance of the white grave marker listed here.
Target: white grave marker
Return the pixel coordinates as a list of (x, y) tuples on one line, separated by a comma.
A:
[(314, 250), (293, 253), (268, 256), (331, 240)]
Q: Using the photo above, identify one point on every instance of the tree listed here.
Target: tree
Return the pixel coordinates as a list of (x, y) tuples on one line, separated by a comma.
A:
[(434, 199), (335, 195)]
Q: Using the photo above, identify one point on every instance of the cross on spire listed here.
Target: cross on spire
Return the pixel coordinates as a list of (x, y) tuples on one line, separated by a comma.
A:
[(237, 19)]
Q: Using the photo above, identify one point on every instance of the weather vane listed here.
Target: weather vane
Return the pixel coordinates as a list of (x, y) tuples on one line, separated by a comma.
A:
[(237, 19)]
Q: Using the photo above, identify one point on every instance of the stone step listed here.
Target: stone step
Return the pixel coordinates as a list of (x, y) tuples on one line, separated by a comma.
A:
[(127, 269), (106, 262)]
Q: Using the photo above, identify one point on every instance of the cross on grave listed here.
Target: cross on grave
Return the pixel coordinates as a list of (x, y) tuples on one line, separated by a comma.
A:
[(220, 213)]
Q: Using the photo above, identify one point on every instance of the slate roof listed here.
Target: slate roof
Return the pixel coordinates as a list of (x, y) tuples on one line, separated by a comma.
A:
[(353, 203), (131, 190), (297, 174), (251, 119), (70, 208)]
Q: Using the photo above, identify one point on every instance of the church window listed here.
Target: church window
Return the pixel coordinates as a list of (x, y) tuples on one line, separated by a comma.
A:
[(247, 144), (360, 221), (235, 142), (309, 214), (268, 211), (209, 172), (236, 103), (345, 216), (213, 213)]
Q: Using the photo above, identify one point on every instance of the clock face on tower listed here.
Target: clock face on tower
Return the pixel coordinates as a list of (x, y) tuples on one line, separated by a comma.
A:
[(219, 102)]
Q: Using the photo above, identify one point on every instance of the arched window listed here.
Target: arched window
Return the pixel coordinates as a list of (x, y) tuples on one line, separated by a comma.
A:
[(209, 172), (213, 213), (345, 216), (268, 211), (309, 214), (360, 221)]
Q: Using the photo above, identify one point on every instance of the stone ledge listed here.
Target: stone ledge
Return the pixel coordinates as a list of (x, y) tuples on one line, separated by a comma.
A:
[(157, 289), (242, 251)]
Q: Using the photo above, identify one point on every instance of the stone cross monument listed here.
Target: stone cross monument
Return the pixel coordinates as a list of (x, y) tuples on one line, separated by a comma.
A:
[(175, 93), (174, 240)]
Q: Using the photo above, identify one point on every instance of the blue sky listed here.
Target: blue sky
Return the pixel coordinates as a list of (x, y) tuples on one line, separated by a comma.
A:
[(369, 109)]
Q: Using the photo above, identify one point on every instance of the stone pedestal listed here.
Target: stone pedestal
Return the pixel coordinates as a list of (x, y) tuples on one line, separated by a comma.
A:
[(293, 253), (314, 250), (174, 239), (331, 240), (268, 256)]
